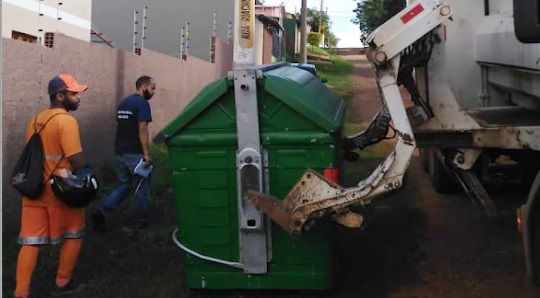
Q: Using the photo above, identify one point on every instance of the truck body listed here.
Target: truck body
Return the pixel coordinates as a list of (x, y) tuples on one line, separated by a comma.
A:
[(474, 112)]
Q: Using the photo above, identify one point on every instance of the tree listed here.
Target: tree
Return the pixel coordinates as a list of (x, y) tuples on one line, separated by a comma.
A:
[(314, 39), (370, 14), (330, 40), (316, 16)]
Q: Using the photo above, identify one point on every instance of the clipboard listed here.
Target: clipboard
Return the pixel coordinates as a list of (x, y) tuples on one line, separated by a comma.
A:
[(143, 170)]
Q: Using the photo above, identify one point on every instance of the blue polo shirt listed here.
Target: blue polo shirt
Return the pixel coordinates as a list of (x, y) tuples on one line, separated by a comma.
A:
[(132, 110)]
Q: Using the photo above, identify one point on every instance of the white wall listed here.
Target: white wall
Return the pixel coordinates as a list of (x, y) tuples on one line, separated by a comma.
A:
[(23, 16)]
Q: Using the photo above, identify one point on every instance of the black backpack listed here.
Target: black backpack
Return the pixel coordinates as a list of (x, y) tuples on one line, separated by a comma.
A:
[(27, 175)]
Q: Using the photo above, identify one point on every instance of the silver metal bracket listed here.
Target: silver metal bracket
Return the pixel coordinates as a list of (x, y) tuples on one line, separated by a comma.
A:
[(250, 170)]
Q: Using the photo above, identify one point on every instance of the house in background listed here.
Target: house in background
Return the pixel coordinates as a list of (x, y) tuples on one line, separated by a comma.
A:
[(269, 44), (271, 11), (292, 35), (30, 20), (165, 19), (272, 32)]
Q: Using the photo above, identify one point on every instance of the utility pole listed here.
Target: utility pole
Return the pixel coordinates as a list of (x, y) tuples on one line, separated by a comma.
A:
[(303, 32), (321, 17)]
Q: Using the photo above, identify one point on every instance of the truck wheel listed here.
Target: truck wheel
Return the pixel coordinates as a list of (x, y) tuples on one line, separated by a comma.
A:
[(442, 181)]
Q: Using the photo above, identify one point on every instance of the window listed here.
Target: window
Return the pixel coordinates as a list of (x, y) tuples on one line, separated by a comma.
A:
[(23, 37)]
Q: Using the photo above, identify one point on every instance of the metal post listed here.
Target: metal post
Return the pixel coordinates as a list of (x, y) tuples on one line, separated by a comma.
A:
[(182, 43), (143, 27), (252, 230), (58, 18), (303, 32), (135, 23), (187, 41), (229, 31), (213, 40), (39, 30)]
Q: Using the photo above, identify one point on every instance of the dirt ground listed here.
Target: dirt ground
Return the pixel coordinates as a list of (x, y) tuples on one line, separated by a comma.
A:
[(420, 244)]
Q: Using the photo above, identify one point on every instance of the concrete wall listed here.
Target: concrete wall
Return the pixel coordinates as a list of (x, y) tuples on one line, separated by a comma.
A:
[(111, 75)]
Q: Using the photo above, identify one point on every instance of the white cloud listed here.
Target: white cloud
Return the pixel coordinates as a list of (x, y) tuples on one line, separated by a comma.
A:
[(340, 12)]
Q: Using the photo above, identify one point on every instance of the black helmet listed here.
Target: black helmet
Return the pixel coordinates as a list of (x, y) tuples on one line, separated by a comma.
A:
[(75, 191)]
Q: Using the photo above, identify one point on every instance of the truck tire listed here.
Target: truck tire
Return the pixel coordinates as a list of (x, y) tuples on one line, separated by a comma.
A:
[(442, 181)]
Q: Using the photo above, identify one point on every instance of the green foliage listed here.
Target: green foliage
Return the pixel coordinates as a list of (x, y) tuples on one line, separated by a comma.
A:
[(321, 18), (330, 40), (316, 16), (314, 39), (370, 14), (337, 73), (318, 51)]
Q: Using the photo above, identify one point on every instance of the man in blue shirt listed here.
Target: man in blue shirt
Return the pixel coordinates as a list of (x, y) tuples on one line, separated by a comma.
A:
[(131, 145)]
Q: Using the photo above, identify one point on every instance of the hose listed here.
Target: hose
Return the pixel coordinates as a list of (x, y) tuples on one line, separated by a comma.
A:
[(203, 257)]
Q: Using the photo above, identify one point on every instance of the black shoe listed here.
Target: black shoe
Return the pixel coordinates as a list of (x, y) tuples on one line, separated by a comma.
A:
[(71, 288), (98, 219)]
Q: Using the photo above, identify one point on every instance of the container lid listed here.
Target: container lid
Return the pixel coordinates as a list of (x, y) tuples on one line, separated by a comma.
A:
[(296, 88)]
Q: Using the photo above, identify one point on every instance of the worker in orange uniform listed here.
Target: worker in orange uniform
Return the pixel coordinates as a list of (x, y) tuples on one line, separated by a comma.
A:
[(47, 219)]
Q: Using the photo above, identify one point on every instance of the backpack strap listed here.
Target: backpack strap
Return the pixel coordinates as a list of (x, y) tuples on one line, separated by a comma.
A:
[(36, 131), (57, 164), (35, 122)]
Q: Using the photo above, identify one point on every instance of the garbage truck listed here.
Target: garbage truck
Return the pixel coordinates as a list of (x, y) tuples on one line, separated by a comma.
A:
[(472, 71), (244, 221)]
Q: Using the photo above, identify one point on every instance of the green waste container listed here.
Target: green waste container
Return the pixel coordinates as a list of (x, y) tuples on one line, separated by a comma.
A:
[(300, 126)]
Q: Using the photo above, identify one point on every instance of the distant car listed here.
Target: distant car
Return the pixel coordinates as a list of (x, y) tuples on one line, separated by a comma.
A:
[(309, 68)]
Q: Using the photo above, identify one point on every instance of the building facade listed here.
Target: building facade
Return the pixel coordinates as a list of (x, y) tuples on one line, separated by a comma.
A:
[(29, 20)]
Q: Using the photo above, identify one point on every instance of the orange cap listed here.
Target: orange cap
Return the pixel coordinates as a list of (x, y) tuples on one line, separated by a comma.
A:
[(65, 82)]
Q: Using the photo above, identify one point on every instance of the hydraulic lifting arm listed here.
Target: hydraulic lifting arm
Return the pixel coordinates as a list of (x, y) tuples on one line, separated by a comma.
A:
[(313, 196)]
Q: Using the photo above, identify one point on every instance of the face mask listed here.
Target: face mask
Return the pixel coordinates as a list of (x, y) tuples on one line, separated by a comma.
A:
[(147, 95)]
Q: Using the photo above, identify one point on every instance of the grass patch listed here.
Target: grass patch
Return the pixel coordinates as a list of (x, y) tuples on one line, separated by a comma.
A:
[(338, 75), (317, 51), (161, 177)]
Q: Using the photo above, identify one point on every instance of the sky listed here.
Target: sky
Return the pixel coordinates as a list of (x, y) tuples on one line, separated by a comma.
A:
[(340, 13)]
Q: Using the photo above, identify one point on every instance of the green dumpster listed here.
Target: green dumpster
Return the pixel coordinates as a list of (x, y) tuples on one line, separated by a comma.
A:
[(298, 124)]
